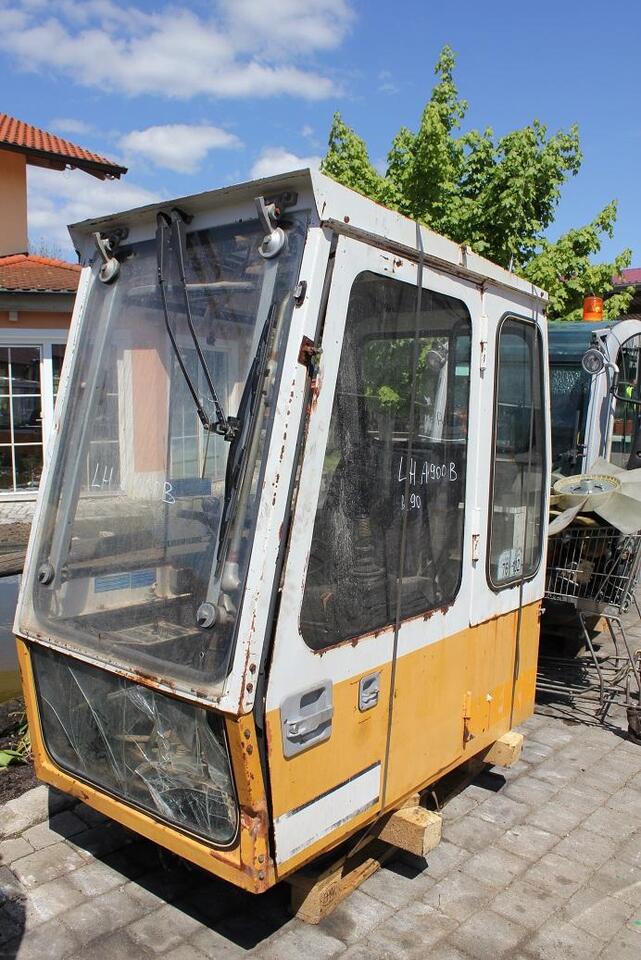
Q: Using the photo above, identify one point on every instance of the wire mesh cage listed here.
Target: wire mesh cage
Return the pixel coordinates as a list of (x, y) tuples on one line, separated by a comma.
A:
[(595, 568), (598, 565)]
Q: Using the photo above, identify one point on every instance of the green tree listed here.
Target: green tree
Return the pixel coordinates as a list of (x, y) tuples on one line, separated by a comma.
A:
[(498, 195)]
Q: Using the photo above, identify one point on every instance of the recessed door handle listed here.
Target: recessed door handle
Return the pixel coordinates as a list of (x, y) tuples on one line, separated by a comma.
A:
[(308, 725), (306, 718), (369, 690)]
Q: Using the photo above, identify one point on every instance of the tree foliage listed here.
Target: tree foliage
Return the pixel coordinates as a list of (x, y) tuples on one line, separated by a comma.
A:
[(498, 195)]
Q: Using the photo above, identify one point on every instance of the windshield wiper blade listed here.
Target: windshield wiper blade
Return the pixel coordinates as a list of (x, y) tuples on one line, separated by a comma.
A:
[(227, 427), (246, 415)]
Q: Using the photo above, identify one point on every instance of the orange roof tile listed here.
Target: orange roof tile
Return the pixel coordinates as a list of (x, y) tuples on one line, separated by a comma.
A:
[(27, 273), (48, 150)]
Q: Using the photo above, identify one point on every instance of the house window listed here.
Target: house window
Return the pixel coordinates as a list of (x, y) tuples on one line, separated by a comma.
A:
[(195, 452), (20, 418), (57, 356), (29, 377)]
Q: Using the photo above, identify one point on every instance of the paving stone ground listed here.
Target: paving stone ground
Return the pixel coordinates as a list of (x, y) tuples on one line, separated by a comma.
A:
[(538, 862)]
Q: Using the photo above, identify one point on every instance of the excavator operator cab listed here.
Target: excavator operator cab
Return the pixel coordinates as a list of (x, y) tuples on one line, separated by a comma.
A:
[(595, 390), (286, 565)]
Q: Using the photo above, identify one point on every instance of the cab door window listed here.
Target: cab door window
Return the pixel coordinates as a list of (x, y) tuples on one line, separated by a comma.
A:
[(393, 478), (518, 472)]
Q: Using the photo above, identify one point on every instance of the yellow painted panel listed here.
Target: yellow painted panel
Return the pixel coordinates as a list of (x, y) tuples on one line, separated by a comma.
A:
[(462, 685), (453, 698), (436, 686), (233, 864), (357, 741)]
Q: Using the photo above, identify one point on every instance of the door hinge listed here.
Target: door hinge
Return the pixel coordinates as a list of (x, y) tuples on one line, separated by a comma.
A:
[(476, 534), (483, 342), (475, 546)]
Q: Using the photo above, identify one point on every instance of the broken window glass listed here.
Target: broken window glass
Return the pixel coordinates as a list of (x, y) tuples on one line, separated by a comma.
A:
[(163, 755)]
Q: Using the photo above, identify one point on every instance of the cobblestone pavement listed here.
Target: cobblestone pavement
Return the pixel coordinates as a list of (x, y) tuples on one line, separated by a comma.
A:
[(538, 862)]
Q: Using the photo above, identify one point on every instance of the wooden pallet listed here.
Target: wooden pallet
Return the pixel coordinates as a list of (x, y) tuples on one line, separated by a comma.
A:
[(315, 893), (316, 890)]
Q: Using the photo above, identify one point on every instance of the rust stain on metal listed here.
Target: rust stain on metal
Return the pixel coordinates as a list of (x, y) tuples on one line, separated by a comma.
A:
[(430, 613), (251, 631), (254, 819), (354, 641), (315, 386), (306, 353)]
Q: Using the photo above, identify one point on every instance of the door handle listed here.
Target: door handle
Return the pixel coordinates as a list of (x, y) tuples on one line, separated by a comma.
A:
[(308, 725), (306, 718), (369, 689)]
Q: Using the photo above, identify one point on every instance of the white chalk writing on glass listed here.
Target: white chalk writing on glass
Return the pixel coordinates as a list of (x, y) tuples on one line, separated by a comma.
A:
[(167, 495), (415, 502), (102, 477), (429, 472)]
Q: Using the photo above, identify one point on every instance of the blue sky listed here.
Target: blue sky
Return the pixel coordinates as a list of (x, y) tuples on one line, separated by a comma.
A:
[(197, 95)]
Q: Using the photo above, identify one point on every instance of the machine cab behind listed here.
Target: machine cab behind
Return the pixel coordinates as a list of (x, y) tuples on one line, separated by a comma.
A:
[(595, 409), (287, 559)]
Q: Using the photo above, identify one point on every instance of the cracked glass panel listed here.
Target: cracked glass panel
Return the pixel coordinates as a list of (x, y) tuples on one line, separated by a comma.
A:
[(395, 461), (163, 755)]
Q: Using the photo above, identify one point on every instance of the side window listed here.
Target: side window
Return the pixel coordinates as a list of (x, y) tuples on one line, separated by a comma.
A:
[(391, 464), (518, 472), (569, 395), (626, 414)]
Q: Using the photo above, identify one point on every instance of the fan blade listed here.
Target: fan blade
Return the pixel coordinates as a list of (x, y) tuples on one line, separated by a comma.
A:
[(565, 519), (631, 483), (566, 500), (622, 512)]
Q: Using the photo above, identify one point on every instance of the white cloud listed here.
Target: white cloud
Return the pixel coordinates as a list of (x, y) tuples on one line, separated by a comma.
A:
[(287, 25), (243, 48), (307, 131), (70, 125), (56, 199), (178, 146), (387, 84), (274, 160)]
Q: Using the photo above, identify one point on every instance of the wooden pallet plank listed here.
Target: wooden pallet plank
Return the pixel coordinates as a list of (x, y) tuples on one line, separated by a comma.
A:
[(314, 896)]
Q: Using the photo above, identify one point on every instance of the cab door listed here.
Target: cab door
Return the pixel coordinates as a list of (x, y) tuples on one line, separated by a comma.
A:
[(511, 493), (378, 563)]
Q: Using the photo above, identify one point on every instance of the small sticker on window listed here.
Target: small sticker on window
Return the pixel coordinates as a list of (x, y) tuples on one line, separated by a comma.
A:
[(510, 563), (124, 581), (518, 535)]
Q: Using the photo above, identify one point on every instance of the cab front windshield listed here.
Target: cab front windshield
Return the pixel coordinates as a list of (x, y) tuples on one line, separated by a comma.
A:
[(149, 514)]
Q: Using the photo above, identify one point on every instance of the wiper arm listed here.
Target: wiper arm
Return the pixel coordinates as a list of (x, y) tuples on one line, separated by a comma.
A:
[(227, 427), (246, 416)]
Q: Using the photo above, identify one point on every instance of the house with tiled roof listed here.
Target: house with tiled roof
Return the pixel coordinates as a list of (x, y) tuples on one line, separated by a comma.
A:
[(36, 301), (631, 278)]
